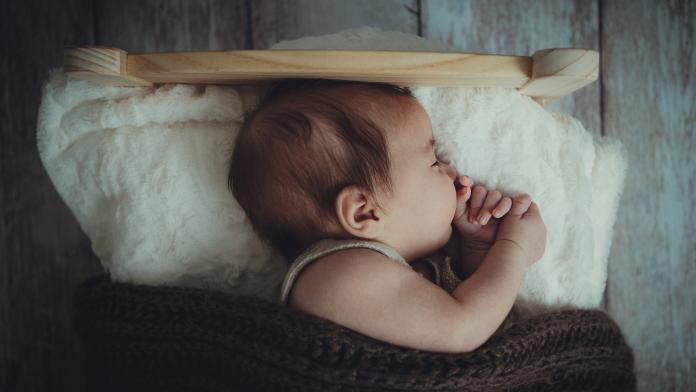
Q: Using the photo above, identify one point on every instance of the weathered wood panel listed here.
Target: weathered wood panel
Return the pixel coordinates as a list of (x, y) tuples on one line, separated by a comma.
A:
[(44, 254), (649, 68), (274, 21), (522, 28), (169, 26)]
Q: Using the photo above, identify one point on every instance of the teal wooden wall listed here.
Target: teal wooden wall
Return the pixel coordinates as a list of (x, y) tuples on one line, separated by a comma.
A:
[(645, 97)]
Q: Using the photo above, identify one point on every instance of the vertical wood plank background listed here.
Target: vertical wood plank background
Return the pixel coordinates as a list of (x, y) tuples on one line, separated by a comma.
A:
[(649, 74), (44, 254), (645, 97)]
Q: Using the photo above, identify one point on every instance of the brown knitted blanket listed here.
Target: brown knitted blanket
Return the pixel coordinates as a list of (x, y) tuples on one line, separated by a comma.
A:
[(176, 339)]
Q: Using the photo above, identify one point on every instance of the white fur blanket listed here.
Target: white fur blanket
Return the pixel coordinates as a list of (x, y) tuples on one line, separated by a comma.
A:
[(144, 171)]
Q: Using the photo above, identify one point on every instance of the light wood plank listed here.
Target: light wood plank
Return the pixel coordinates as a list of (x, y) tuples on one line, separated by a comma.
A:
[(43, 253), (649, 67), (100, 64), (559, 72), (521, 28), (238, 67), (548, 74)]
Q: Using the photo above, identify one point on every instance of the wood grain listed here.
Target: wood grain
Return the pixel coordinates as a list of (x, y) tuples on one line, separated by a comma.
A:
[(547, 75), (172, 25), (649, 67), (44, 254), (521, 28), (274, 21)]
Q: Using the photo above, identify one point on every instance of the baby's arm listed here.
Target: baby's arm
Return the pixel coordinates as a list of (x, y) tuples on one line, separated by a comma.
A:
[(489, 293), (365, 291), (470, 258)]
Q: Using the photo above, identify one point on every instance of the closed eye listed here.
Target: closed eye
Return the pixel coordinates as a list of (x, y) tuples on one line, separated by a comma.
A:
[(437, 163)]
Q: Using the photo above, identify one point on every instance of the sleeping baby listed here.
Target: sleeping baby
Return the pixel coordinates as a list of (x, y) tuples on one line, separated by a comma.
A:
[(342, 178)]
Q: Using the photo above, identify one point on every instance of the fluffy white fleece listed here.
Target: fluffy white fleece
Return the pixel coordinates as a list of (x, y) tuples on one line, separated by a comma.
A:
[(144, 171)]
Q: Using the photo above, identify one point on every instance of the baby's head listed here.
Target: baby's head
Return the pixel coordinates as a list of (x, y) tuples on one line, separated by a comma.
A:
[(341, 159)]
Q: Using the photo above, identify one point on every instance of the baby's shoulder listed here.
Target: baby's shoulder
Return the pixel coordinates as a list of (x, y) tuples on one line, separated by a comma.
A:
[(335, 276)]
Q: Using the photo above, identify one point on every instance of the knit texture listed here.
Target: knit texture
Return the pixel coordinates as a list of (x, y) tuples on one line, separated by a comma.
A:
[(449, 280), (183, 339)]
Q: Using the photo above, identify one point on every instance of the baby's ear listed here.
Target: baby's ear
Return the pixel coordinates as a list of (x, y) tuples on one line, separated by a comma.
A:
[(357, 213)]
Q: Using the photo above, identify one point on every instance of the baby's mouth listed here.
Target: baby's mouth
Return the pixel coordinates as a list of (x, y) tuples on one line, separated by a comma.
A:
[(457, 184)]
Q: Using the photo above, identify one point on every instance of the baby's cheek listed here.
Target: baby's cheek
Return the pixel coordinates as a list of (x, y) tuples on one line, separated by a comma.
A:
[(451, 202)]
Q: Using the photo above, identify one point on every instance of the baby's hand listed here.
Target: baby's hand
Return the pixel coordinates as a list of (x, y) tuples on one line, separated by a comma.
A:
[(471, 217), (524, 227)]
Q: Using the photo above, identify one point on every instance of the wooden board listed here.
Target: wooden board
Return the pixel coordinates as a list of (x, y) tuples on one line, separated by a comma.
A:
[(44, 254), (649, 68), (275, 21), (547, 74), (163, 25)]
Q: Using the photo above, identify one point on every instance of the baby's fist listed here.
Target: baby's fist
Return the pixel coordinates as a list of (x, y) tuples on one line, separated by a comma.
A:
[(524, 227), (481, 206), (485, 204)]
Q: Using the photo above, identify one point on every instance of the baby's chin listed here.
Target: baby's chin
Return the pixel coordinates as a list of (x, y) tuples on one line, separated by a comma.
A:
[(443, 239)]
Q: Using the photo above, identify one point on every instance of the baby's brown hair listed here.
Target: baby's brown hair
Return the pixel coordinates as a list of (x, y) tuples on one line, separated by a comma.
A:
[(305, 141)]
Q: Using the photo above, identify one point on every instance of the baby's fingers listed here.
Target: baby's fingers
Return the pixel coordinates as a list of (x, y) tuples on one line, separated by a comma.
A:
[(520, 204), (478, 195), (492, 199), (503, 207)]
